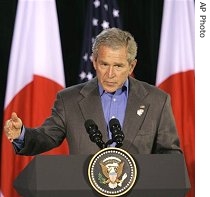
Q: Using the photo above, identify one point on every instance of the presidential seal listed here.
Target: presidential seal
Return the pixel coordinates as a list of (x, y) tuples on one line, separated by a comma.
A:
[(112, 172)]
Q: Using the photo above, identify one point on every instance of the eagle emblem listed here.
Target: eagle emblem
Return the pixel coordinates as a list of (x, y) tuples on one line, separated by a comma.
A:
[(112, 169), (112, 172)]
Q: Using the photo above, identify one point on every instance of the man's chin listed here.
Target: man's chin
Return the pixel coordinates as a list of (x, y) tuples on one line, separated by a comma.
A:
[(110, 89)]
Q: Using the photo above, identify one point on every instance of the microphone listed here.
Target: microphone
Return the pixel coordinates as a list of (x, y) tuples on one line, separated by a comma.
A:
[(117, 134), (94, 134)]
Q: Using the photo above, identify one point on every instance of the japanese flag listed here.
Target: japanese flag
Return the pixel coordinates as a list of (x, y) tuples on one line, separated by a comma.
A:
[(35, 75), (175, 73)]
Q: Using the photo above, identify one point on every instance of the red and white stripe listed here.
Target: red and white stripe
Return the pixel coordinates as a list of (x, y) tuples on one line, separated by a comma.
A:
[(175, 73), (35, 75)]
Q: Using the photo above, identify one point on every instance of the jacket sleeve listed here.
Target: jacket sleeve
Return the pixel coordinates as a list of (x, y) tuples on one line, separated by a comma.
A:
[(167, 140), (49, 135)]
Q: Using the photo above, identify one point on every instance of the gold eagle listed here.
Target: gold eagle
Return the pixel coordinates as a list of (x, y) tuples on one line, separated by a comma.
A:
[(118, 169)]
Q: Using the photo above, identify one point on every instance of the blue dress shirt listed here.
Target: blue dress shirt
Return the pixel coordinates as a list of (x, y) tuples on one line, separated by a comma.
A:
[(114, 104)]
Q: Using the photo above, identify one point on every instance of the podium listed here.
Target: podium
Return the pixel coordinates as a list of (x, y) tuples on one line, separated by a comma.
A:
[(159, 175)]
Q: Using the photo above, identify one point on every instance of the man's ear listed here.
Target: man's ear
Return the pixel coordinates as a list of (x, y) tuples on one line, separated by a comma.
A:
[(132, 66), (94, 63)]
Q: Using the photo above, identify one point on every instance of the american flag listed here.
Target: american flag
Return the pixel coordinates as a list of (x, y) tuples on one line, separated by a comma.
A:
[(101, 14)]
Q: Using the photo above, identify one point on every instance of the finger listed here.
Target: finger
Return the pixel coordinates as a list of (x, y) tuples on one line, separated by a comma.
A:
[(6, 131), (7, 123), (10, 139), (10, 124), (8, 134), (14, 117)]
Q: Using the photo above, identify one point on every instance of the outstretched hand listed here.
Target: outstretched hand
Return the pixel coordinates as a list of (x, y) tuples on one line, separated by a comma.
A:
[(12, 127)]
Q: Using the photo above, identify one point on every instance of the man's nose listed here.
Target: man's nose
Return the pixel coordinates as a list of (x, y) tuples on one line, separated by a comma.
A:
[(111, 71)]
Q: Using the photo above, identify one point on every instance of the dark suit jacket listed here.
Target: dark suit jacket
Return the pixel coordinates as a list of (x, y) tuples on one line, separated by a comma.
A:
[(152, 132)]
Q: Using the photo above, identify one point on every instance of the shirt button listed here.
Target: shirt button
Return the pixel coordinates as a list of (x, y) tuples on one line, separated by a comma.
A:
[(114, 99)]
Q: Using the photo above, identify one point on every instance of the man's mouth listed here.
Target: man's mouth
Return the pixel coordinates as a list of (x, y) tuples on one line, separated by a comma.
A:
[(110, 83)]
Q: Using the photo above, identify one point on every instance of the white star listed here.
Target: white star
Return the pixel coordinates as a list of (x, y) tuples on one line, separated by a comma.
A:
[(96, 3), (82, 75), (105, 24), (93, 39), (115, 13), (91, 58), (95, 22), (89, 76), (106, 7), (85, 56)]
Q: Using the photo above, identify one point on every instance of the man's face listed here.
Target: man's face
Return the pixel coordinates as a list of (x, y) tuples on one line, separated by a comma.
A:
[(112, 67)]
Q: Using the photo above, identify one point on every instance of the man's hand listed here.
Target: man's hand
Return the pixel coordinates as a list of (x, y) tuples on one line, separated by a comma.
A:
[(12, 127)]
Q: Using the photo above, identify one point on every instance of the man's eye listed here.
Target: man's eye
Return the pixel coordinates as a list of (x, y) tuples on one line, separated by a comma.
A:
[(118, 67), (104, 64)]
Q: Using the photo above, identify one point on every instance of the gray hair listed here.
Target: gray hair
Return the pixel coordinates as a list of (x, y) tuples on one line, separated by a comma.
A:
[(115, 38)]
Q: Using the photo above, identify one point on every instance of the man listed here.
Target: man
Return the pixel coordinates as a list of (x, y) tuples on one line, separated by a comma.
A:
[(143, 110)]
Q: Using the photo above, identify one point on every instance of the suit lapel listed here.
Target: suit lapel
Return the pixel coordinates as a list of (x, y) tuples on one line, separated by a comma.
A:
[(91, 107), (136, 111)]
